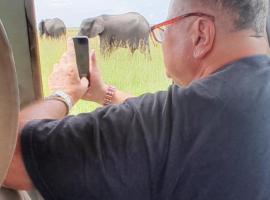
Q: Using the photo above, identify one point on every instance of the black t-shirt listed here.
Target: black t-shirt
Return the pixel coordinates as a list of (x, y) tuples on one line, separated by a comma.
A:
[(207, 141)]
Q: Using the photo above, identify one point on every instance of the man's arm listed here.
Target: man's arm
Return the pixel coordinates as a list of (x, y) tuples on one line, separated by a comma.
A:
[(65, 78), (98, 89), (17, 177)]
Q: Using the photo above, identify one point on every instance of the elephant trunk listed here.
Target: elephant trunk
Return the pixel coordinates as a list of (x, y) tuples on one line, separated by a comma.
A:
[(82, 33)]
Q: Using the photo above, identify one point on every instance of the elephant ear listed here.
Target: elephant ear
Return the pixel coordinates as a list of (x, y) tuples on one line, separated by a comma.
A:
[(97, 28)]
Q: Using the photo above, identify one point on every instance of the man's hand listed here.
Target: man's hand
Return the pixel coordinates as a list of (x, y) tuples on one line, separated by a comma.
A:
[(98, 88), (65, 76)]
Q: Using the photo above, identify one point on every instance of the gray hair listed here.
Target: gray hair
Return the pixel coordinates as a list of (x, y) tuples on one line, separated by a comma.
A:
[(247, 14)]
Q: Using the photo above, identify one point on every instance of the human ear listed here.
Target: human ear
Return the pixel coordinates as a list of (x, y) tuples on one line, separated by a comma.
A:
[(203, 37)]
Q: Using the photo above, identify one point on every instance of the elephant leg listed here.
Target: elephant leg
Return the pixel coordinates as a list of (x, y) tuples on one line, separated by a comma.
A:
[(142, 46), (133, 45), (132, 49), (145, 48), (114, 44), (103, 47), (148, 51), (147, 44), (64, 37)]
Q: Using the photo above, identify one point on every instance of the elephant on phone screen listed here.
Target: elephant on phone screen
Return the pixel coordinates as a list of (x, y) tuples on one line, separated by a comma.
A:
[(52, 28), (130, 30)]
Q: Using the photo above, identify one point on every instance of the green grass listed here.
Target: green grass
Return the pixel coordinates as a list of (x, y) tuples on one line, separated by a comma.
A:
[(133, 74)]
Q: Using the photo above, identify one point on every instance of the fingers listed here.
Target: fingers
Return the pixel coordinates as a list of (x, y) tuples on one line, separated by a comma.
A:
[(64, 59), (84, 82), (93, 60), (65, 76), (68, 59), (70, 56), (70, 45)]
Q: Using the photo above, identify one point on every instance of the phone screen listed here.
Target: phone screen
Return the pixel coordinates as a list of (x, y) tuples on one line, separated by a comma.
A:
[(81, 45)]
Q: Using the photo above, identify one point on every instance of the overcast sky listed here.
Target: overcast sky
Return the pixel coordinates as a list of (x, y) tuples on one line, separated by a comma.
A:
[(72, 12)]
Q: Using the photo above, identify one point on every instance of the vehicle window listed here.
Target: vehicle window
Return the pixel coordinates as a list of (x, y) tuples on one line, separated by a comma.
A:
[(125, 62)]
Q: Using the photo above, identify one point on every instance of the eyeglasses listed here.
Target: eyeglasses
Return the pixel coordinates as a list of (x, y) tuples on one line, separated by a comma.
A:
[(159, 29)]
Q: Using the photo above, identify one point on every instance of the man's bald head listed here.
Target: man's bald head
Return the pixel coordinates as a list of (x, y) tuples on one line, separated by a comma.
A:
[(244, 14), (196, 46)]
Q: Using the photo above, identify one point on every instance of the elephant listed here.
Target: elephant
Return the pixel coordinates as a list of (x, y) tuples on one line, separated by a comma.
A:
[(53, 28), (130, 30)]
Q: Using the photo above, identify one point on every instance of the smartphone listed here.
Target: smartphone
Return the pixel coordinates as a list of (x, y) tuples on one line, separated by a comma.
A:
[(81, 45)]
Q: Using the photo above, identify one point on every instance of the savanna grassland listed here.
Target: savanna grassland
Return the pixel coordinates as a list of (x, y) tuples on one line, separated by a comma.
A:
[(135, 74)]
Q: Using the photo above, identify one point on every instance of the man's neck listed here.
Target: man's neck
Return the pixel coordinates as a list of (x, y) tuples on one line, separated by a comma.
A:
[(232, 50)]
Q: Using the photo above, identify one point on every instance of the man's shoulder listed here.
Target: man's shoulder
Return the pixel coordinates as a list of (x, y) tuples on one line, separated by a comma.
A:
[(232, 82), (235, 78)]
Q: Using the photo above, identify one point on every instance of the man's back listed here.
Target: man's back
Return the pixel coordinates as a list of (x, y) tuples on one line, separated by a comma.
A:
[(207, 141), (225, 153)]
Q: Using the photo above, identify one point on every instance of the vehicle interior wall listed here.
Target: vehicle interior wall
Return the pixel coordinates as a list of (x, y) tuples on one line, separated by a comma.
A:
[(18, 18)]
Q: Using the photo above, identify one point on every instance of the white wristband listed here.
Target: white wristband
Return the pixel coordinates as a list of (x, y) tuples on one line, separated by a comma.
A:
[(64, 96)]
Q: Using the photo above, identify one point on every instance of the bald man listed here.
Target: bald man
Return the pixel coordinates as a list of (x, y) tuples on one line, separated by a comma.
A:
[(206, 138)]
